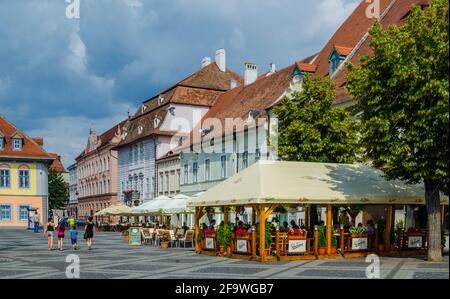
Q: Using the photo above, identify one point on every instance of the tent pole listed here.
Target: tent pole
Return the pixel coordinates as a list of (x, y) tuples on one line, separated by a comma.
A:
[(389, 214), (225, 215), (329, 228), (262, 232)]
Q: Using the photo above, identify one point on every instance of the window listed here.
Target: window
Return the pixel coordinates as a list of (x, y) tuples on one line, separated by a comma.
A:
[(223, 166), (195, 172), (2, 143), (245, 160), (23, 212), (186, 173), (24, 179), (5, 212), (142, 151), (17, 144), (5, 179), (207, 170)]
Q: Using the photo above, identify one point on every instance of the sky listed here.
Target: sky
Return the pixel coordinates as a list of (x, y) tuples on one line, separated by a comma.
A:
[(61, 76)]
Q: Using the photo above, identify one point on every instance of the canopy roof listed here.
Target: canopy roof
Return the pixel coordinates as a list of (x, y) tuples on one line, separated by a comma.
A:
[(165, 205), (269, 182), (115, 210)]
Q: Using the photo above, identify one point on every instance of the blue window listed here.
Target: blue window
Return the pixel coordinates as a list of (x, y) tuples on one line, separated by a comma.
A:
[(5, 178), (2, 143), (17, 144), (195, 172), (334, 61), (245, 160), (223, 166), (5, 212), (24, 179), (23, 212), (207, 170), (186, 174)]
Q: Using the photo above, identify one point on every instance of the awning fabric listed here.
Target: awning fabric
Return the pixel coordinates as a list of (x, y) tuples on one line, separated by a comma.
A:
[(158, 206), (294, 183), (115, 210)]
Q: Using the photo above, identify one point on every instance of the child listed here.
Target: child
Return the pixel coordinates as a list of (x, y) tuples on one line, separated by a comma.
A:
[(73, 237)]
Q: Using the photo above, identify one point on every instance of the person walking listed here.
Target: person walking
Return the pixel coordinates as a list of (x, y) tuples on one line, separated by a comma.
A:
[(71, 221), (36, 219), (61, 231), (89, 230), (73, 237), (49, 231)]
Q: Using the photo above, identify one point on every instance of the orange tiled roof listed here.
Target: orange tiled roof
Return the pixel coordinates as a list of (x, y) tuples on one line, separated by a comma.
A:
[(57, 164), (343, 51), (30, 150)]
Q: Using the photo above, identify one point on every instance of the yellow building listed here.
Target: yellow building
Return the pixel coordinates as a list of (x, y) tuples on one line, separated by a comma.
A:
[(23, 176)]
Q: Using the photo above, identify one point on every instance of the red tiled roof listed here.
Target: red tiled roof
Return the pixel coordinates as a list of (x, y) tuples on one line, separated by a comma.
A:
[(30, 150), (395, 16), (306, 67), (202, 88), (343, 51), (57, 164)]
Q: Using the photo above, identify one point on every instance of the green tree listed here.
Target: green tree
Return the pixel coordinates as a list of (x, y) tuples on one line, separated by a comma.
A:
[(310, 129), (57, 190), (402, 92)]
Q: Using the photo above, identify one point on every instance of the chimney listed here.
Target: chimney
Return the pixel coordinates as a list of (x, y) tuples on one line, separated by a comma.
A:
[(233, 83), (273, 68), (221, 59), (39, 141), (206, 61), (250, 73)]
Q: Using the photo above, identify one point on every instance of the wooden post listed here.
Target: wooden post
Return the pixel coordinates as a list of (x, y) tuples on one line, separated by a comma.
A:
[(262, 233), (277, 244), (197, 230), (225, 215), (329, 228), (342, 238), (306, 217), (316, 241), (389, 213), (254, 242), (253, 215), (375, 246)]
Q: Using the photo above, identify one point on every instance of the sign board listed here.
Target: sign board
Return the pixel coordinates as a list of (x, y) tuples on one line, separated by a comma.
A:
[(135, 236), (415, 242), (297, 246), (209, 243), (241, 245), (446, 242), (360, 243)]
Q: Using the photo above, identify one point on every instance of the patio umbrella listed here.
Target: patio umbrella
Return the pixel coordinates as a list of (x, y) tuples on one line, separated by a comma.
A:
[(116, 210)]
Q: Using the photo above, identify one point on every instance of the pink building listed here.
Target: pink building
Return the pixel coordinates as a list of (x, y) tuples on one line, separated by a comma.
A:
[(97, 172)]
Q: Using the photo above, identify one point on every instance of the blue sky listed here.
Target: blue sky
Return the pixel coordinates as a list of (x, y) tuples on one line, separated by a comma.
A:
[(59, 76)]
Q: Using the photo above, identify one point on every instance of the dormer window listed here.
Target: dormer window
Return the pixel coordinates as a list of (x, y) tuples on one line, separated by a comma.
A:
[(143, 108), (337, 56), (17, 144), (2, 142), (156, 122), (160, 100)]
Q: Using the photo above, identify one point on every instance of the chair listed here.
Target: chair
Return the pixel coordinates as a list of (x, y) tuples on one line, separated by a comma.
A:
[(188, 238), (173, 238)]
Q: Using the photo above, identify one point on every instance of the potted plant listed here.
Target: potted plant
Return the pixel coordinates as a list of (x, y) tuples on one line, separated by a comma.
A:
[(358, 232), (220, 238), (164, 241), (322, 241), (381, 237), (227, 238)]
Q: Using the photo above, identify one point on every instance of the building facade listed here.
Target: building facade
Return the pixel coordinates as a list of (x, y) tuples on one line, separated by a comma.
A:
[(168, 170), (97, 172), (73, 190), (23, 176), (161, 123)]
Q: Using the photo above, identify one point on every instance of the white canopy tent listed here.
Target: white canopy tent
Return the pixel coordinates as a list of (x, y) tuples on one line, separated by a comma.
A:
[(165, 205), (116, 210), (276, 182)]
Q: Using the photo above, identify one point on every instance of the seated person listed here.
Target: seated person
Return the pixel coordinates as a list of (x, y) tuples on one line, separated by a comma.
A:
[(284, 228), (241, 230), (185, 227), (295, 230)]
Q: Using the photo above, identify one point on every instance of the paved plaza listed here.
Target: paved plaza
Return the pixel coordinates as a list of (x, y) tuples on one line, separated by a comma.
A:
[(24, 254)]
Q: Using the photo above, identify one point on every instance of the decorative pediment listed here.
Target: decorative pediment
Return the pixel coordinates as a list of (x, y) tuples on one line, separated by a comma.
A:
[(17, 135)]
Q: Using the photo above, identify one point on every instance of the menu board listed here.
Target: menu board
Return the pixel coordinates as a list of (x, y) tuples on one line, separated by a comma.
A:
[(360, 243), (297, 246), (135, 236), (241, 245), (209, 243), (415, 242)]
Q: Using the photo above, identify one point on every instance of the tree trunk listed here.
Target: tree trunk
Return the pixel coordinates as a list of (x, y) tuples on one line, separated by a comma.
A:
[(432, 200)]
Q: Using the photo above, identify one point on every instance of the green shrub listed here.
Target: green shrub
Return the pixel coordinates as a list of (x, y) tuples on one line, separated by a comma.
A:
[(322, 240)]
